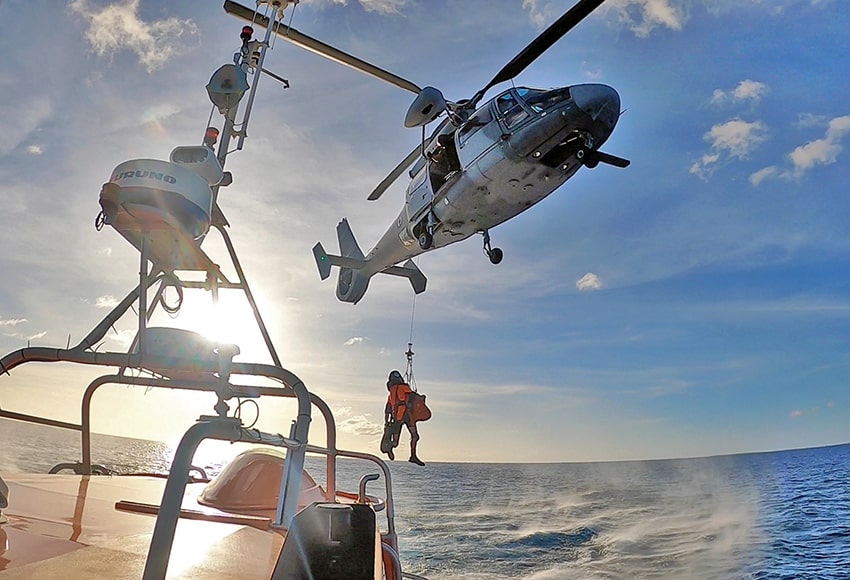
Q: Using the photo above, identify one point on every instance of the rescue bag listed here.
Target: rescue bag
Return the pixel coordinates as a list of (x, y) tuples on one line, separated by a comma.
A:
[(418, 411)]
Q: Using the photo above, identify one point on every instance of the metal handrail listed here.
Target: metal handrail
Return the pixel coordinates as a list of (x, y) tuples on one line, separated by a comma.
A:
[(330, 452)]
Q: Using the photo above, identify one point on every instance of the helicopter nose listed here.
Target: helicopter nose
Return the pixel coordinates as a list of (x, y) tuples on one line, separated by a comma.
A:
[(601, 102)]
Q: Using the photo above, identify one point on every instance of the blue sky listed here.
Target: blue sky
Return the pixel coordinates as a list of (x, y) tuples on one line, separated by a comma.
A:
[(695, 303)]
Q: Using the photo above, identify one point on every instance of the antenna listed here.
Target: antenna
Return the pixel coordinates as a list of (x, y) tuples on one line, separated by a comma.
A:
[(253, 54)]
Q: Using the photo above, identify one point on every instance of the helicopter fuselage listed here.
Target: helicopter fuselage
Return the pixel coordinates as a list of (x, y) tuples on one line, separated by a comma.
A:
[(482, 166), (510, 153)]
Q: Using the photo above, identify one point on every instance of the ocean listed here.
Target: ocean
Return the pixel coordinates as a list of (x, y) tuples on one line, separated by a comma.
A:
[(777, 515)]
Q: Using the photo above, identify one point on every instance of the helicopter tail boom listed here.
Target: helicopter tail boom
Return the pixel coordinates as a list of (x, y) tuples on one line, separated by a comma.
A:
[(355, 270)]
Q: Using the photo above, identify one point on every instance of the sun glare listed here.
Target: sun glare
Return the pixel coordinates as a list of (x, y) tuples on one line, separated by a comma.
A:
[(228, 321)]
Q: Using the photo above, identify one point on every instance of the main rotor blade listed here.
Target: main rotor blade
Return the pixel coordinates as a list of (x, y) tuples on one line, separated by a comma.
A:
[(395, 173), (542, 43), (319, 47)]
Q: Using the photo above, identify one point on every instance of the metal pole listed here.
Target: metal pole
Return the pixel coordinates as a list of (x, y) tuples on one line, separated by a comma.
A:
[(99, 331), (159, 552), (143, 294), (225, 429), (257, 69), (243, 283)]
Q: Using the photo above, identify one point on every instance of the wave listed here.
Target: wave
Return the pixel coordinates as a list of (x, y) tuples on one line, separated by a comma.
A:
[(551, 540)]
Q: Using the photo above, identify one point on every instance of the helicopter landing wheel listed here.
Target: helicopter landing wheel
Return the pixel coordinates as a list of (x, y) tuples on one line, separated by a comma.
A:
[(426, 240), (495, 255)]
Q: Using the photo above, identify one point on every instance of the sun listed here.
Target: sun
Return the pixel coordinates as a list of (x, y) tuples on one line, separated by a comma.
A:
[(229, 320)]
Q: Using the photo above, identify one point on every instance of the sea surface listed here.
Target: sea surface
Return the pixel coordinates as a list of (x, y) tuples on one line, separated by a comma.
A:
[(772, 515)]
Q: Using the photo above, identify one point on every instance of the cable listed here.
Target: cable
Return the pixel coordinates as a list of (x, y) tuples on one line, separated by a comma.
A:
[(408, 374), (170, 280), (238, 411), (412, 314)]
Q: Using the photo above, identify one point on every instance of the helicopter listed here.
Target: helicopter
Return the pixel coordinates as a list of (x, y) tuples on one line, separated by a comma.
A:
[(481, 166)]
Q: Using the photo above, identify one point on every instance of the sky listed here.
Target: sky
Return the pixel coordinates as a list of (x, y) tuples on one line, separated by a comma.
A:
[(695, 303)]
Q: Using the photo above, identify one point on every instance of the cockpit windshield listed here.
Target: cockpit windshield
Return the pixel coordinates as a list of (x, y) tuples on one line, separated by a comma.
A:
[(516, 105), (541, 100)]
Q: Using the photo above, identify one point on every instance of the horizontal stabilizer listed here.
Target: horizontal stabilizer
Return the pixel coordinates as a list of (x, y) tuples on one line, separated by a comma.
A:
[(411, 272), (324, 261)]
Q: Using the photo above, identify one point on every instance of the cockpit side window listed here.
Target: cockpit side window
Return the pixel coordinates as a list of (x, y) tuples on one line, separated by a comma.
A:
[(475, 122), (511, 110), (515, 115), (505, 102), (417, 167)]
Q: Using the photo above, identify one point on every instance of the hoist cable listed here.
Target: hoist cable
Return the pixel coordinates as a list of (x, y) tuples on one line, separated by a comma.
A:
[(409, 354), (412, 314)]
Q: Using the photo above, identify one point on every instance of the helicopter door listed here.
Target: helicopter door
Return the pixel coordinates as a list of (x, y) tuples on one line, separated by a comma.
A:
[(474, 137), (419, 196)]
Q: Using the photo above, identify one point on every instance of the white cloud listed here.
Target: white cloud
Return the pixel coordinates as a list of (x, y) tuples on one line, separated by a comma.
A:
[(383, 6), (796, 413), (821, 151), (640, 16), (12, 321), (18, 127), (818, 152), (643, 16), (747, 90), (356, 424), (106, 301), (124, 337), (718, 96), (379, 6), (809, 120), (537, 13), (35, 149), (354, 340), (735, 138), (118, 26), (762, 174), (592, 75), (589, 282), (27, 338)]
